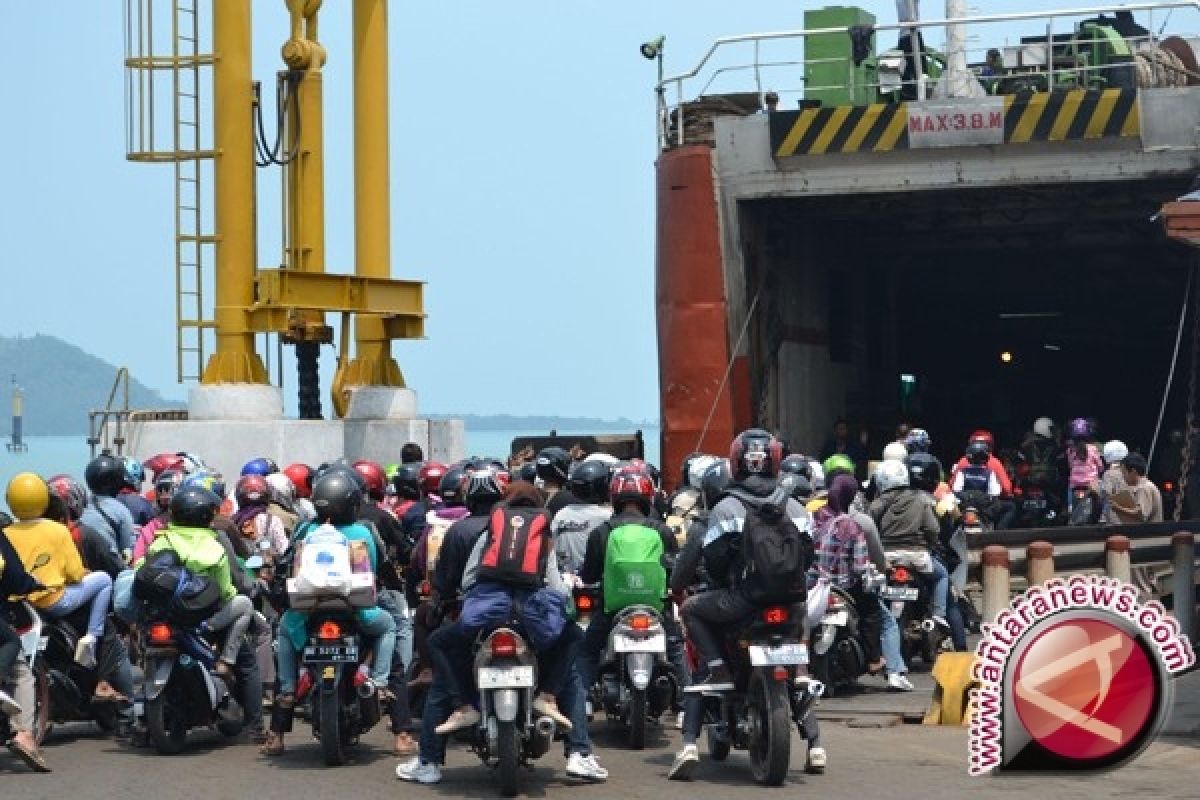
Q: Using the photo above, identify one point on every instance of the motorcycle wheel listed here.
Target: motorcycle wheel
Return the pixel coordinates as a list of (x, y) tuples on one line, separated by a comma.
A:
[(508, 756), (41, 712), (821, 668), (165, 729), (718, 746), (329, 714), (637, 719), (771, 743)]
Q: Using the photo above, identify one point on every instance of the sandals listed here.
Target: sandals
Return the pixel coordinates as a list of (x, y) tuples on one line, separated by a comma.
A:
[(105, 693), (405, 746), (30, 755), (273, 746)]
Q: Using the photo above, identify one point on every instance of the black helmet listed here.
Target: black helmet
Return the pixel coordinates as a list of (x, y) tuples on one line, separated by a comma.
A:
[(978, 452), (527, 472), (482, 488), (589, 482), (407, 481), (451, 485), (716, 480), (105, 475), (338, 497), (924, 471), (686, 471), (194, 506), (553, 465), (755, 452), (798, 485), (798, 465)]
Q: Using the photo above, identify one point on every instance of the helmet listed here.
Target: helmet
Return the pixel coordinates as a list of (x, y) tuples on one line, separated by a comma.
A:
[(983, 436), (589, 482), (431, 476), (207, 479), (553, 465), (918, 441), (755, 452), (194, 506), (797, 465), (895, 451), (485, 486), (260, 466), (818, 474), (799, 486), (161, 462), (390, 470), (252, 490), (838, 462), (165, 485), (27, 496), (134, 473), (685, 474), (190, 462), (1044, 427), (451, 486), (527, 472), (632, 485), (105, 475), (1080, 428), (924, 471), (73, 495), (283, 491), (374, 476), (716, 480), (407, 481), (337, 497), (698, 467), (301, 476), (978, 453), (891, 475), (1115, 451)]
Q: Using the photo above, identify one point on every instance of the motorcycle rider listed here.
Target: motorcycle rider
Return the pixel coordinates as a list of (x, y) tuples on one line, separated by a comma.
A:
[(1041, 451), (918, 441), (407, 505), (553, 465), (573, 525), (980, 478), (105, 475), (301, 476), (96, 550), (253, 519), (993, 463), (131, 493), (1112, 482), (430, 476), (1084, 462), (16, 718)]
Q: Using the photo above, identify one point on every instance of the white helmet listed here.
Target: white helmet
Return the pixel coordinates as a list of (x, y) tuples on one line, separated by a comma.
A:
[(818, 475), (1115, 451), (895, 451), (1044, 427), (698, 466), (891, 475), (283, 491)]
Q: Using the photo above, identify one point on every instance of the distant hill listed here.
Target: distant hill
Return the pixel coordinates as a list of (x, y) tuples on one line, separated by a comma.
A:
[(510, 422), (62, 384)]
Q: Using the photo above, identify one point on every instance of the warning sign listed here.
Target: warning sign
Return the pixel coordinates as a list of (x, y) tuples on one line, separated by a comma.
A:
[(955, 123)]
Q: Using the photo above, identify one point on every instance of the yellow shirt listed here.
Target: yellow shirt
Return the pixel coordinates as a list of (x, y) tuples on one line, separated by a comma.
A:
[(49, 554)]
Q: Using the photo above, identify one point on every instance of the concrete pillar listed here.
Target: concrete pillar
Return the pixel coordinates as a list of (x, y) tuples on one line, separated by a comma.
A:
[(1117, 558), (1039, 563), (995, 581), (1183, 581)]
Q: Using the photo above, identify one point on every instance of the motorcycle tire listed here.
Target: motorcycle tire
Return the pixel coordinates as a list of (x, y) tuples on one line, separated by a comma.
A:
[(165, 729), (771, 744), (508, 757), (637, 719), (328, 711), (718, 745), (821, 668)]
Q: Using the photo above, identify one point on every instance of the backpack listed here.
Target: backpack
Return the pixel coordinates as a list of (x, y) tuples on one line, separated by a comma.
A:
[(433, 541), (633, 570), (164, 583), (517, 548), (775, 553)]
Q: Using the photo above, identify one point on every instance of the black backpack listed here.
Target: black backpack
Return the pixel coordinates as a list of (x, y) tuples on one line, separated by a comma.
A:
[(163, 583), (775, 553), (518, 547)]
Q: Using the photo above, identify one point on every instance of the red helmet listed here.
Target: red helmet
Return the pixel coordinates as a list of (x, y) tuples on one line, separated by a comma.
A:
[(430, 476), (755, 452), (983, 436), (158, 464), (301, 476), (632, 484), (252, 490), (374, 476)]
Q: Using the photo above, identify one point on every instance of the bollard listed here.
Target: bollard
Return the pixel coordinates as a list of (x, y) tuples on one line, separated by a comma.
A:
[(1183, 548), (1117, 559), (1039, 563), (995, 581)]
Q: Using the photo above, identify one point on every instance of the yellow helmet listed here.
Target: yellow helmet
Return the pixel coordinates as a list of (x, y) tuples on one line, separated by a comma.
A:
[(27, 496)]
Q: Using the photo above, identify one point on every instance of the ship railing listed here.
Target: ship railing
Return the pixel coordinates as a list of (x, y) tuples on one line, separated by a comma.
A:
[(776, 61)]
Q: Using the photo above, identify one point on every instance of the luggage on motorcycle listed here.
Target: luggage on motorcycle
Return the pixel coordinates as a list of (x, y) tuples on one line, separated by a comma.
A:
[(332, 566), (165, 584), (775, 552), (518, 545), (633, 570), (434, 536)]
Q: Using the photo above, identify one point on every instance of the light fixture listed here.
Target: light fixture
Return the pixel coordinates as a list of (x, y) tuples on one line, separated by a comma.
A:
[(653, 48), (1006, 357)]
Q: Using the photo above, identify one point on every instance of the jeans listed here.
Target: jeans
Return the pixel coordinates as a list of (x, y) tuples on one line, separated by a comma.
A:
[(572, 699), (941, 588), (234, 618), (249, 681), (381, 629), (124, 603), (394, 603), (592, 648), (438, 705), (95, 588), (958, 628), (889, 640), (717, 609)]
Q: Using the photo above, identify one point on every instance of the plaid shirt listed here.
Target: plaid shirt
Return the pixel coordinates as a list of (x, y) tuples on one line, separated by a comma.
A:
[(841, 548)]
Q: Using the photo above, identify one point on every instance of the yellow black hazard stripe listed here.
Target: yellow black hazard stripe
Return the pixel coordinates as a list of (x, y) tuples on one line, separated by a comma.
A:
[(882, 127)]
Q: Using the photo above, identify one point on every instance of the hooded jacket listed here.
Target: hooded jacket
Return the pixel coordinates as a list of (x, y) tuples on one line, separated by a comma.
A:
[(906, 520)]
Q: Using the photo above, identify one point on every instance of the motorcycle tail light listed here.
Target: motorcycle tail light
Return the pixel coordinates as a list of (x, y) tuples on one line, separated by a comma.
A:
[(329, 630), (640, 622), (1168, 486), (160, 633), (900, 574), (424, 589), (781, 673), (584, 602), (971, 518), (504, 644), (777, 615)]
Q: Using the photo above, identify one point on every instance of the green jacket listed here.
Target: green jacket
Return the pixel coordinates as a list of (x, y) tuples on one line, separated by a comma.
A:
[(199, 551)]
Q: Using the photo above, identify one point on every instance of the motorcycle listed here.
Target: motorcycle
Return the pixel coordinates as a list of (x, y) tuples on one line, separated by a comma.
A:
[(909, 597), (635, 682), (1085, 507), (772, 691), (509, 736), (1035, 508), (838, 655)]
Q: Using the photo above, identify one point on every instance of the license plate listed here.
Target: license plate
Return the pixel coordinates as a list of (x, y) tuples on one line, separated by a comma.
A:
[(325, 653), (505, 677), (1034, 505), (785, 655), (628, 644), (835, 618), (903, 594)]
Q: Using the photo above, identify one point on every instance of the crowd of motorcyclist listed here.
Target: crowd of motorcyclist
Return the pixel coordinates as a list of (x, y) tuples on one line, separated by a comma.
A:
[(76, 552)]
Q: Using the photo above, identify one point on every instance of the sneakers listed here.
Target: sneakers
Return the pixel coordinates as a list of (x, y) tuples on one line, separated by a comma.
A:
[(545, 705), (417, 771), (718, 680), (585, 768), (899, 683), (816, 761), (85, 651), (462, 718), (941, 622), (685, 761), (8, 706)]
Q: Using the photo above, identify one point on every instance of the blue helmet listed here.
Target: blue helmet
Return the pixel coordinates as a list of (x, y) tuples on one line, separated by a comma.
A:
[(918, 441), (135, 473), (208, 479), (260, 466)]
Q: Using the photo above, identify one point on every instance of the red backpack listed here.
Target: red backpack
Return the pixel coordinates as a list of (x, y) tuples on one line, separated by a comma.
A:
[(518, 545)]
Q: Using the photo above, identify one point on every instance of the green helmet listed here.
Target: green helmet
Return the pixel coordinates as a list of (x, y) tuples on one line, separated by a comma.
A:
[(839, 462), (390, 471)]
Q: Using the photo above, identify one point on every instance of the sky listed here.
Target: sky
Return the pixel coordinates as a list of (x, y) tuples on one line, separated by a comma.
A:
[(522, 163)]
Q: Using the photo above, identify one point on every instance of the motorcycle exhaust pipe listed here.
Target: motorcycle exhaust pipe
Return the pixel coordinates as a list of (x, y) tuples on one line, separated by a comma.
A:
[(928, 625), (545, 727)]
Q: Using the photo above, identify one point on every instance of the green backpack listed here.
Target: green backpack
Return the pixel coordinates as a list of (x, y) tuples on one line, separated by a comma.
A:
[(633, 570)]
